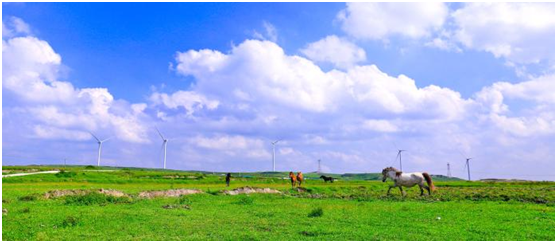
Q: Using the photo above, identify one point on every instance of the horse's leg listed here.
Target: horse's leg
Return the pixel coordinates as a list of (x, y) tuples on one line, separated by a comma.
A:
[(428, 190), (401, 190), (421, 190), (389, 191)]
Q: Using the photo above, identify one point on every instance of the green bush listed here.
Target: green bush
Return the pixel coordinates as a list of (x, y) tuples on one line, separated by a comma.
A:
[(90, 167), (94, 198), (318, 212), (65, 174), (29, 198), (184, 200), (244, 200), (69, 221)]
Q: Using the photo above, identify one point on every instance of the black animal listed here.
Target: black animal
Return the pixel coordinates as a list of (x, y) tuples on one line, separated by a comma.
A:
[(327, 178), (228, 179)]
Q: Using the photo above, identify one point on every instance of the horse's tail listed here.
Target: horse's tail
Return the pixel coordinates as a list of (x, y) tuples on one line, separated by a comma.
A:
[(429, 181)]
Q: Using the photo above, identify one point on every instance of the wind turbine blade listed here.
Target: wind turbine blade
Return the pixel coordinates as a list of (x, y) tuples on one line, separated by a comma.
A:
[(106, 139), (160, 134), (95, 137)]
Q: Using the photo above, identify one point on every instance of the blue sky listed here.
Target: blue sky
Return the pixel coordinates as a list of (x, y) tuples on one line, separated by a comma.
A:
[(343, 82)]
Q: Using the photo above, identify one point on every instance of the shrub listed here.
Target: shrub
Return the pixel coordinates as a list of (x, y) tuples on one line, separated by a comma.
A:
[(183, 200), (69, 221), (90, 167), (95, 198), (29, 198), (318, 212), (65, 174), (244, 200)]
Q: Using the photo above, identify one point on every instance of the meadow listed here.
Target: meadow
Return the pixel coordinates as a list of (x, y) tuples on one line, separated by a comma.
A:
[(355, 207)]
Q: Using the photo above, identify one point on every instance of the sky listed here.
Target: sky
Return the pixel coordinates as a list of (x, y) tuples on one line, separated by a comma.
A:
[(349, 84)]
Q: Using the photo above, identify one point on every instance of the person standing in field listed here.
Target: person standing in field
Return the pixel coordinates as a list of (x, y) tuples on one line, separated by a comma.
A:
[(228, 179)]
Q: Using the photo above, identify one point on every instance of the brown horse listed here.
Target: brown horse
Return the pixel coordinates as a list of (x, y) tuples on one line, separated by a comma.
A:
[(300, 178), (292, 178)]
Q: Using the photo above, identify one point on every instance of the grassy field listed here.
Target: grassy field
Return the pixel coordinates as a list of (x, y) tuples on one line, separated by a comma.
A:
[(353, 208)]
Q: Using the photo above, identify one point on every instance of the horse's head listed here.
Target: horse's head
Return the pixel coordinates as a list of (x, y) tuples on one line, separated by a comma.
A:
[(291, 174), (322, 176), (386, 171)]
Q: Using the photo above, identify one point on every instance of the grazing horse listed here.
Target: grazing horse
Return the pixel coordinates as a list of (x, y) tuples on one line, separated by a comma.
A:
[(408, 180), (327, 178), (300, 178), (292, 178)]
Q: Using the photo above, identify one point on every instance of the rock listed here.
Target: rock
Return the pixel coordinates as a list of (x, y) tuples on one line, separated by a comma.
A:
[(169, 193), (248, 190)]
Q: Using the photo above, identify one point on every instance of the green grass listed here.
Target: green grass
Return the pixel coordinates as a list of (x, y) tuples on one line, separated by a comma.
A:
[(348, 209)]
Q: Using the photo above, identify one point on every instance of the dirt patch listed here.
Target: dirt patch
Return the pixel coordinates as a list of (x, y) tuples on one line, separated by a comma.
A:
[(113, 193), (169, 193), (248, 190), (61, 193)]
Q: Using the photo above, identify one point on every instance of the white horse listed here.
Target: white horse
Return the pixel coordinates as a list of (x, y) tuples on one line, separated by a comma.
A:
[(408, 180)]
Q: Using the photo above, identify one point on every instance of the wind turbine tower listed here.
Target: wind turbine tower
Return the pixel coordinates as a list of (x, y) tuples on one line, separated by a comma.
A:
[(448, 170), (164, 142), (319, 166), (100, 142), (274, 143), (399, 155), (468, 166)]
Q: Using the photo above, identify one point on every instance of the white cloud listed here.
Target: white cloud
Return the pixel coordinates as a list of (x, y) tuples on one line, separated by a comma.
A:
[(30, 72), (270, 78), (15, 26), (378, 21), (379, 125), (338, 51), (190, 101), (519, 32), (232, 145), (270, 33), (539, 120), (541, 90)]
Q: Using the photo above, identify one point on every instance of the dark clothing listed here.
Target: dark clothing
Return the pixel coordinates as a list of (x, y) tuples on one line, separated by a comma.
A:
[(228, 179)]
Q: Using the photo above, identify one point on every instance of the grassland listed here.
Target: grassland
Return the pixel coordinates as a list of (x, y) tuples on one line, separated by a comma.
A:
[(353, 208)]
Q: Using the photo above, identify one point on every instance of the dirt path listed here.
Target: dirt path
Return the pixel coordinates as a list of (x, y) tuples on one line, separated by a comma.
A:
[(32, 173)]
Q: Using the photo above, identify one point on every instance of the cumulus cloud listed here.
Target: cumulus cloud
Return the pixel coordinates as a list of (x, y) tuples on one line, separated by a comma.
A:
[(261, 73), (519, 32), (536, 120), (338, 51), (190, 101), (376, 21), (30, 72)]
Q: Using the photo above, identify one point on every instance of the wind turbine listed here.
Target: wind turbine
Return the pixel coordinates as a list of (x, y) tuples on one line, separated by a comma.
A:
[(100, 142), (319, 166), (399, 155), (274, 143), (164, 142), (468, 166)]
